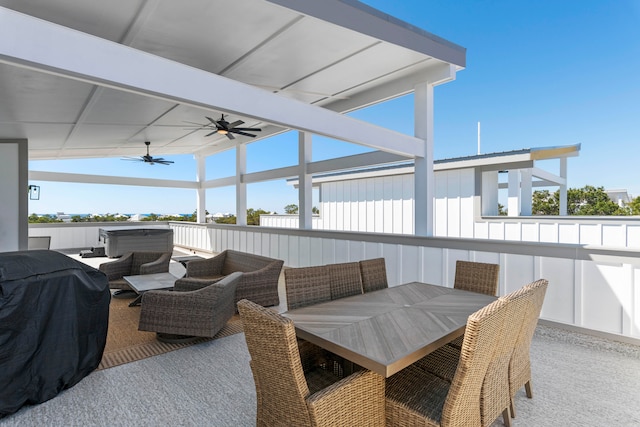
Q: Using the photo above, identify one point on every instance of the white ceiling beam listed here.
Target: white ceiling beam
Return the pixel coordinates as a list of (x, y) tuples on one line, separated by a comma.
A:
[(109, 180), (548, 176), (436, 73), (43, 46)]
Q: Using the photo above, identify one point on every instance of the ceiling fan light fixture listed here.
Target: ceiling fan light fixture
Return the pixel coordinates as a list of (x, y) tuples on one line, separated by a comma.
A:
[(223, 131)]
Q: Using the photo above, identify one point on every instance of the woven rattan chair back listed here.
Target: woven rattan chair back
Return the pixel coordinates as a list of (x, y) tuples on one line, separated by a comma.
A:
[(481, 336), (140, 258), (477, 277), (374, 274), (495, 398), (275, 362), (306, 286), (520, 363), (344, 279)]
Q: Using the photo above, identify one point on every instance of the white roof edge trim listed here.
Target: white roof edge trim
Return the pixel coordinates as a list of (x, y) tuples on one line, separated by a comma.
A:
[(367, 20)]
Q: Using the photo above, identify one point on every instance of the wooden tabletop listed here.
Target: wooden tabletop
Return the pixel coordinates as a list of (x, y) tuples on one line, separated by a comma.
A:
[(387, 330)]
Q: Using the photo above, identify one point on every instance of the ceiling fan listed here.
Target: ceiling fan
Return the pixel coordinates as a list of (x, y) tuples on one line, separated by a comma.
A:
[(223, 127), (148, 158)]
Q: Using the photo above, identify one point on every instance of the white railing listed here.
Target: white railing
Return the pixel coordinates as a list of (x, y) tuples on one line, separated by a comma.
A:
[(614, 232), (81, 235), (589, 287)]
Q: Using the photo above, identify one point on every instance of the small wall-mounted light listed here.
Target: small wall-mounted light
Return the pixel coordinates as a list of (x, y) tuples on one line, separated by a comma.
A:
[(34, 192)]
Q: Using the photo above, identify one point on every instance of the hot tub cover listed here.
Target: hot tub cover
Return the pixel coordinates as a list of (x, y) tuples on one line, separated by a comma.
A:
[(54, 314)]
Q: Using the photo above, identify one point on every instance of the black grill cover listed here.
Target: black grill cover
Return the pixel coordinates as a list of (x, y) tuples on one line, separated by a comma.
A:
[(54, 314)]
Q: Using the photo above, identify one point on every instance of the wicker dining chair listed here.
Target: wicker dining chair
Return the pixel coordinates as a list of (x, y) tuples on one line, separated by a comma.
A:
[(306, 286), (288, 395), (417, 397), (344, 279), (374, 274), (477, 277), (496, 394), (520, 364)]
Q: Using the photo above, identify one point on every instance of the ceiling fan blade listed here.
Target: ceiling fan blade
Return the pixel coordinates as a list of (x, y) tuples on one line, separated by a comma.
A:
[(211, 120), (164, 162), (230, 136), (209, 134), (132, 159), (234, 124), (242, 133), (249, 129)]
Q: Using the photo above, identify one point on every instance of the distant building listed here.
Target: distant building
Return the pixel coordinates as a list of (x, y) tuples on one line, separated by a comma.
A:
[(63, 217), (381, 199), (621, 197), (137, 217)]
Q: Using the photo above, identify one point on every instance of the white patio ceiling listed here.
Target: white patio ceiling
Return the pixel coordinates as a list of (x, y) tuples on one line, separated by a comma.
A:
[(336, 54)]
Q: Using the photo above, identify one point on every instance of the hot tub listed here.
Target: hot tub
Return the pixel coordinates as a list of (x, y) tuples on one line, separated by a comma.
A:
[(120, 240)]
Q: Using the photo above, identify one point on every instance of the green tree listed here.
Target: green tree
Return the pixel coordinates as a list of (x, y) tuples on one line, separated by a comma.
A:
[(151, 217), (41, 219), (545, 203), (634, 206), (226, 220), (588, 200), (292, 209), (253, 216), (591, 200)]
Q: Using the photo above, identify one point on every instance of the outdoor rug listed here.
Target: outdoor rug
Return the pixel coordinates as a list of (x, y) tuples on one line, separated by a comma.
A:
[(125, 343)]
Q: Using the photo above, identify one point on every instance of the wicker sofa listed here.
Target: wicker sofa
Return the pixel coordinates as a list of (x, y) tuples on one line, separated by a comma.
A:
[(259, 281)]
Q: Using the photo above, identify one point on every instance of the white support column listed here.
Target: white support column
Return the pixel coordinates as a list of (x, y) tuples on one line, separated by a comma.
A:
[(305, 188), (241, 187), (201, 192), (513, 203), (489, 193), (526, 192), (563, 187), (423, 176), (14, 172)]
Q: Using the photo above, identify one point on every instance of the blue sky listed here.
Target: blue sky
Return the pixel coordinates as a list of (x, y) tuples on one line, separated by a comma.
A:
[(538, 74)]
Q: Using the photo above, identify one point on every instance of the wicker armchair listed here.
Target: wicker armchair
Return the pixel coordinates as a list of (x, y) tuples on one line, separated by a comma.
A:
[(199, 313), (477, 277), (259, 283), (417, 397), (134, 263), (374, 274), (287, 395), (520, 364)]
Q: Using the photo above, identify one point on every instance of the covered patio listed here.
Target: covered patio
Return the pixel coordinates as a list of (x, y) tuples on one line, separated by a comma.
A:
[(99, 80)]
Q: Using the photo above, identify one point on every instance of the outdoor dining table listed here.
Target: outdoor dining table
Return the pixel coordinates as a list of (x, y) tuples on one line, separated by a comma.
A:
[(389, 329)]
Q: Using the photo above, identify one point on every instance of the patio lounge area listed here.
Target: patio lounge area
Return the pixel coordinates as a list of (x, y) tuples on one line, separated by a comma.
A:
[(578, 380)]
